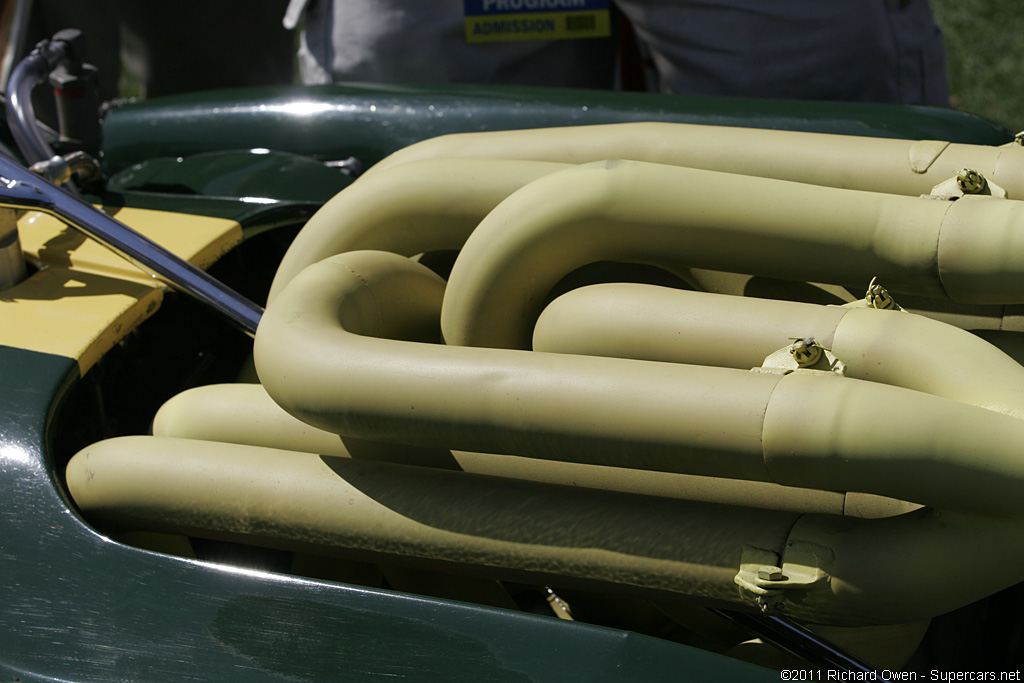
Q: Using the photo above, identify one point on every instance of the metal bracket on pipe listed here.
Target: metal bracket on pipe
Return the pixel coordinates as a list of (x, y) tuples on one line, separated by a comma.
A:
[(764, 580), (22, 189), (878, 296), (966, 182), (804, 354)]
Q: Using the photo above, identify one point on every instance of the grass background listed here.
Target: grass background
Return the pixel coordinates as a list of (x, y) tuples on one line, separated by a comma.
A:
[(985, 57)]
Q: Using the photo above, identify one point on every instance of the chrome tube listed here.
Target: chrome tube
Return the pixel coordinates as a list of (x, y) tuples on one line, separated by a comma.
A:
[(21, 116), (22, 189)]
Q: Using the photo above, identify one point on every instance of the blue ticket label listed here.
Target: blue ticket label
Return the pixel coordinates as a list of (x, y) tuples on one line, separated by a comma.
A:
[(502, 20)]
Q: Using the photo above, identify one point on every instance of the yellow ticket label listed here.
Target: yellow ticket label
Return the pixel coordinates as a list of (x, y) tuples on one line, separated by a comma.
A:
[(508, 20)]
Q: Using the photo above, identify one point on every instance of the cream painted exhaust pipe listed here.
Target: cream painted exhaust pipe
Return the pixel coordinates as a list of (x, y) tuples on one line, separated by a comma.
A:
[(420, 207), (452, 181), (806, 428), (803, 429), (539, 405), (860, 163), (378, 511), (245, 414), (968, 251), (835, 570), (347, 352), (626, 320)]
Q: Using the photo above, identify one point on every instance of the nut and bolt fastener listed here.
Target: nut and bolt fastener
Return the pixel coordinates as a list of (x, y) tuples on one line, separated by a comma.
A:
[(770, 573), (878, 296), (805, 352), (970, 181)]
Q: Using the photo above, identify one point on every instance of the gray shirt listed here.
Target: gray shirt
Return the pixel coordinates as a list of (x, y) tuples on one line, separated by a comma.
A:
[(857, 50)]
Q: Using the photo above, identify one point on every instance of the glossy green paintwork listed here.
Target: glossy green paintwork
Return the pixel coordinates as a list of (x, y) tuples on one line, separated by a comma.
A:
[(259, 189), (369, 122), (257, 176)]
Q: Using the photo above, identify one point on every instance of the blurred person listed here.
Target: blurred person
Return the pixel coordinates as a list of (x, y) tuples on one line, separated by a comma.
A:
[(415, 41), (854, 50)]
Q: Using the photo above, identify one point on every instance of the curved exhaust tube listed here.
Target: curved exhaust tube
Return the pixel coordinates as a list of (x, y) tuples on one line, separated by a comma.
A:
[(395, 391), (416, 208), (815, 431), (462, 177), (433, 204), (800, 429), (352, 372), (970, 251), (805, 429)]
